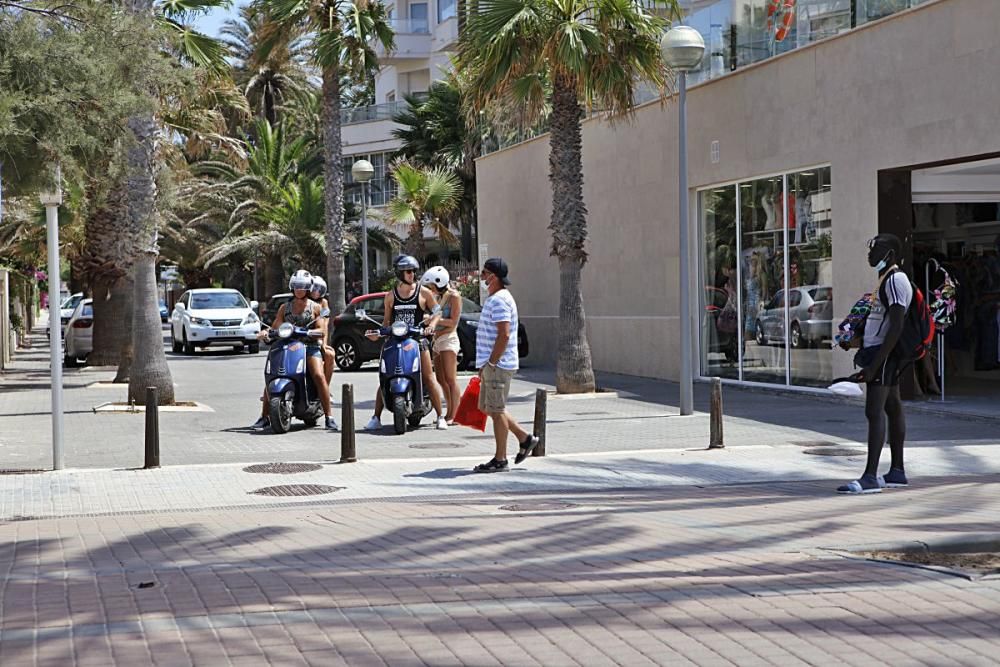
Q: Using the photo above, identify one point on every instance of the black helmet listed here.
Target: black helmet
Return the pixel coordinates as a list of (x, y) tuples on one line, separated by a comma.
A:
[(406, 263)]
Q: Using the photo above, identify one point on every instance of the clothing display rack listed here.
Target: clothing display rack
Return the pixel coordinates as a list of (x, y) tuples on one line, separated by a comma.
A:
[(939, 333)]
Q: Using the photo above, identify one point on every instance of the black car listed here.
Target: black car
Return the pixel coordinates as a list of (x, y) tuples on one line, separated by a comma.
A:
[(269, 310), (353, 349)]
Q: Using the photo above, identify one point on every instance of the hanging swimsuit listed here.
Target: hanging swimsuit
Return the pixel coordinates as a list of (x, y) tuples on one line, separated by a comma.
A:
[(304, 319)]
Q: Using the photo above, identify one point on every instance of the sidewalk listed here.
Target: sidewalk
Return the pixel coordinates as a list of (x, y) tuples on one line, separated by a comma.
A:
[(630, 544)]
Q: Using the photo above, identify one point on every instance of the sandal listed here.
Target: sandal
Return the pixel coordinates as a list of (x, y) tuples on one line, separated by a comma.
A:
[(527, 447), (492, 466)]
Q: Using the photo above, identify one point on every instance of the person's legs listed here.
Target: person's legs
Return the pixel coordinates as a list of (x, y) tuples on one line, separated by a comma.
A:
[(875, 407), (500, 431), (430, 385), (319, 380), (447, 370), (897, 427), (328, 364)]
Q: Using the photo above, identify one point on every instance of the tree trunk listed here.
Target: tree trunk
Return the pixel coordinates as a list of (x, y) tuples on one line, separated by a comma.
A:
[(333, 190), (111, 300), (149, 365), (574, 368), (274, 275), (125, 353)]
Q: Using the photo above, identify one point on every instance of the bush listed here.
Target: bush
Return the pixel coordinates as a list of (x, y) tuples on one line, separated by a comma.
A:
[(468, 286)]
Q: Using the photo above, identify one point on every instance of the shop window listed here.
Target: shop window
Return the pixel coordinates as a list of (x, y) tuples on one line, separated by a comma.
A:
[(719, 299)]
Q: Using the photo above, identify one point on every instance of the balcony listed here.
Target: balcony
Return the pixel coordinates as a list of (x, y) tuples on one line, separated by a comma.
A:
[(375, 112), (413, 42)]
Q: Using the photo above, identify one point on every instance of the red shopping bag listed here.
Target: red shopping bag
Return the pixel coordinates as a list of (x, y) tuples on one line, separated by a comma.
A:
[(468, 413)]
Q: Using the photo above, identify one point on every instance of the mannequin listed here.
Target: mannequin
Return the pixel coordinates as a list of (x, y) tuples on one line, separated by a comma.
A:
[(768, 207), (881, 367)]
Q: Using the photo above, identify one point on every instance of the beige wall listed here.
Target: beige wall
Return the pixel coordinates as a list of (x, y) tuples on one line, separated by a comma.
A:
[(917, 87)]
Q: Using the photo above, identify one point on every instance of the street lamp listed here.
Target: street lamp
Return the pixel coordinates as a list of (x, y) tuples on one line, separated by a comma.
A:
[(50, 197), (682, 48), (362, 171)]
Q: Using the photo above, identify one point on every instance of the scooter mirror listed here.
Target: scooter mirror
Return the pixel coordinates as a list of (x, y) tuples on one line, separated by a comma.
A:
[(360, 312)]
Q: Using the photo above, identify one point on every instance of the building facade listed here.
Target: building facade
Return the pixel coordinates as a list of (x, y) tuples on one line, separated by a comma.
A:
[(868, 121)]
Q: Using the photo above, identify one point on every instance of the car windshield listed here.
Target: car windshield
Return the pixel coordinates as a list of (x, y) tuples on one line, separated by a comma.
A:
[(211, 300), (71, 302)]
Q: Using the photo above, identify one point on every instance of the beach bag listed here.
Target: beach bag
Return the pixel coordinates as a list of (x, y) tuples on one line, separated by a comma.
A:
[(468, 413), (851, 331)]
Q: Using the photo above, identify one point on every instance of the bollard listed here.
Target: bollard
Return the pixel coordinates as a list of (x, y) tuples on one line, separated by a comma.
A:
[(152, 429), (715, 417), (348, 446), (539, 428)]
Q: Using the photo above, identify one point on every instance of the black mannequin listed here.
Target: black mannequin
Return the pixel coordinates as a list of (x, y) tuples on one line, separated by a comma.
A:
[(881, 368)]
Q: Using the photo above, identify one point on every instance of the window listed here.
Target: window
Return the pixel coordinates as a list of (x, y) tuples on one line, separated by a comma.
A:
[(763, 239), (446, 10), (418, 17)]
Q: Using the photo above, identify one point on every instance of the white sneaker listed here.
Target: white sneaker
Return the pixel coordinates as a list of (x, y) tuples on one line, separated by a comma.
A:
[(442, 424), (373, 424)]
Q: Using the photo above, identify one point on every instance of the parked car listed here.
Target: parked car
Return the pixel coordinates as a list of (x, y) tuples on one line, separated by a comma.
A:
[(270, 309), (810, 312), (79, 333), (212, 316), (352, 349), (66, 309), (164, 313)]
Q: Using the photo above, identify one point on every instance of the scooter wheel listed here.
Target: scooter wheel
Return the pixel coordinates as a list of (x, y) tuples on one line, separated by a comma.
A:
[(280, 412), (399, 415)]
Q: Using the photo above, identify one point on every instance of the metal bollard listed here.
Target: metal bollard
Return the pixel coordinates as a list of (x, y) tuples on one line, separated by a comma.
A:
[(152, 429), (539, 428), (715, 416), (348, 445)]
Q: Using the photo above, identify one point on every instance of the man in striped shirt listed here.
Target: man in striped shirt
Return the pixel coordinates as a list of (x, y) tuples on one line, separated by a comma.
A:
[(497, 361)]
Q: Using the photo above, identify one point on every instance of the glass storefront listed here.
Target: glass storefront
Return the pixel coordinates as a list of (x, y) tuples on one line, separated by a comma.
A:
[(766, 260)]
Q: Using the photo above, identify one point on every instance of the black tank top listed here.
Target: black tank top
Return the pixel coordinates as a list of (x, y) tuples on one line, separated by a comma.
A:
[(407, 310)]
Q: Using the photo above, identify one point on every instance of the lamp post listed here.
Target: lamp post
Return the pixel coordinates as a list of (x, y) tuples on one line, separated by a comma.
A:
[(682, 48), (362, 171), (50, 197)]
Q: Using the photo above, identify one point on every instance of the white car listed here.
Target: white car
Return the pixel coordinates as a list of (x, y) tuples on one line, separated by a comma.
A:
[(79, 333), (66, 309), (211, 316)]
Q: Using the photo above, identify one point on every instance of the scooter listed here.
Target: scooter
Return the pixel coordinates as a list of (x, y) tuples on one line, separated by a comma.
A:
[(290, 388), (400, 379)]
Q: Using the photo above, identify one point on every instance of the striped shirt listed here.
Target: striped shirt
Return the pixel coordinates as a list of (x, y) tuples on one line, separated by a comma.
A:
[(499, 307), (899, 293)]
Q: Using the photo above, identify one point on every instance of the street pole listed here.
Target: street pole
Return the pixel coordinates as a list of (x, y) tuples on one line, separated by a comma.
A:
[(687, 378), (364, 237), (55, 328)]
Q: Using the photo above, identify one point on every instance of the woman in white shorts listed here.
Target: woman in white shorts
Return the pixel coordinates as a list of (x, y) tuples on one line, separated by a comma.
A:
[(446, 344)]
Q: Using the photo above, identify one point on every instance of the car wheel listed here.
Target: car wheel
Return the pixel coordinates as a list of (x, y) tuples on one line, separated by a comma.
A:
[(188, 346), (174, 343), (796, 335), (760, 337), (254, 348), (347, 354), (238, 349), (69, 361)]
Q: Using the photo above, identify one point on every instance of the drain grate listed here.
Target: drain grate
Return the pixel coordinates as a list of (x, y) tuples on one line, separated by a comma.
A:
[(437, 445), (282, 468), (297, 490), (538, 507), (835, 451), (27, 471)]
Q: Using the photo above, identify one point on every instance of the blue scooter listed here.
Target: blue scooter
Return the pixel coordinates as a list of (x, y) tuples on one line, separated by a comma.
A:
[(290, 389), (400, 379)]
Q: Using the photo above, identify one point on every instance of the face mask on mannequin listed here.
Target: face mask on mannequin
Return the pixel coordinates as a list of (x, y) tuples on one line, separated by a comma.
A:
[(883, 263)]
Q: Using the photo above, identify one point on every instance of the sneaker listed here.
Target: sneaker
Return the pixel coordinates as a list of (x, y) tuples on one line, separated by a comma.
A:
[(492, 466), (331, 424), (526, 448), (373, 424), (442, 424), (895, 479), (260, 424), (864, 484)]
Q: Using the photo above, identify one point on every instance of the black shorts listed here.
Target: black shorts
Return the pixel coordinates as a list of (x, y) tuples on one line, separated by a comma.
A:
[(891, 371)]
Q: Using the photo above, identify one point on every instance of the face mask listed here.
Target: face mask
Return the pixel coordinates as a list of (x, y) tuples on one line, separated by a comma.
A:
[(884, 263)]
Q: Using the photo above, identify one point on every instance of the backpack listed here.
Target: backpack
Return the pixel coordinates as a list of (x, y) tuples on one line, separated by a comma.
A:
[(918, 329)]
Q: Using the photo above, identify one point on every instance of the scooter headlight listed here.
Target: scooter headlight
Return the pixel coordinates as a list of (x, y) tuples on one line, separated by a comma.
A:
[(285, 330), (400, 329), (382, 365)]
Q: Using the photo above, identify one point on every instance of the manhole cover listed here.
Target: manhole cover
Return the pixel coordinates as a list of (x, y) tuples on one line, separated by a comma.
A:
[(813, 443), (835, 451), (297, 490), (282, 468), (537, 507), (437, 445)]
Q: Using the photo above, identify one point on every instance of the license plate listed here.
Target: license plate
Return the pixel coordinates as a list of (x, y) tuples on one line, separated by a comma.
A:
[(225, 332)]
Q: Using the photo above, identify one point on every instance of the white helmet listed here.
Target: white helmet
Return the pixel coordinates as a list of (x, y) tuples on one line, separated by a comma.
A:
[(319, 285), (301, 279), (437, 276)]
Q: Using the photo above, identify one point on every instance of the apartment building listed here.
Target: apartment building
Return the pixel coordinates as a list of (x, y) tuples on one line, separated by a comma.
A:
[(812, 126), (426, 35)]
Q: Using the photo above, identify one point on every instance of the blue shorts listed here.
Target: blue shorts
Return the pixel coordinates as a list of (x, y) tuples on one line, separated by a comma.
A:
[(314, 351)]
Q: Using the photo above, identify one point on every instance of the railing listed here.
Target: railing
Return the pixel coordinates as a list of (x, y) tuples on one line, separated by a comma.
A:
[(374, 112), (410, 26)]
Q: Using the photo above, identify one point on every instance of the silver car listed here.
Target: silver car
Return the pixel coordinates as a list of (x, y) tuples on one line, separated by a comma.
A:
[(214, 316), (810, 310), (79, 339)]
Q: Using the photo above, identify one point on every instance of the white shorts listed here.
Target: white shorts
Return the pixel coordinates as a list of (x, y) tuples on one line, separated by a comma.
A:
[(446, 342)]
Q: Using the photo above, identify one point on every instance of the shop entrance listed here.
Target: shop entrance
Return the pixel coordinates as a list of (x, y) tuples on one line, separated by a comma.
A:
[(951, 229)]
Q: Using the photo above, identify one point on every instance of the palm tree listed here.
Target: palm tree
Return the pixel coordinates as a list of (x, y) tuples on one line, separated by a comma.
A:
[(426, 196), (343, 36), (590, 53)]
